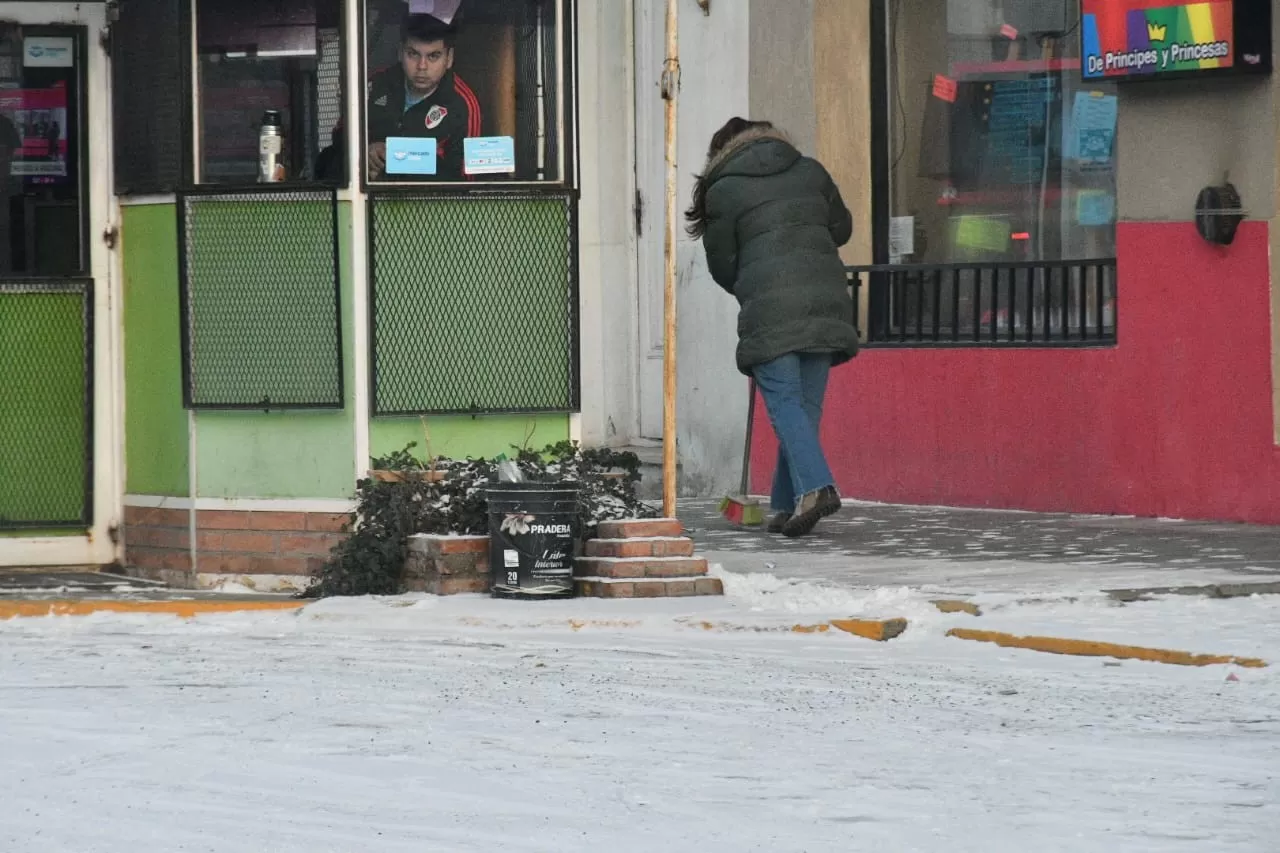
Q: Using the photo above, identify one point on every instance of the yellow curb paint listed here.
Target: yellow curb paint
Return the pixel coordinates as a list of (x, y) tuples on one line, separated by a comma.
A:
[(879, 630), (871, 629), (1088, 648), (185, 608), (819, 628), (579, 624), (955, 605), (571, 624)]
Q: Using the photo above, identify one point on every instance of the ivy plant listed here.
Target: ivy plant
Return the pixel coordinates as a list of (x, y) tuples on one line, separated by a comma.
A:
[(371, 560)]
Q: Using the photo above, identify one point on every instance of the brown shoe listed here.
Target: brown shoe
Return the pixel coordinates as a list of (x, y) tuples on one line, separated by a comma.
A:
[(779, 522), (814, 507)]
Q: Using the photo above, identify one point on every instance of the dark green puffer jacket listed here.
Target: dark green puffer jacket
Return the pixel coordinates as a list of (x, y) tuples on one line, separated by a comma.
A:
[(775, 220)]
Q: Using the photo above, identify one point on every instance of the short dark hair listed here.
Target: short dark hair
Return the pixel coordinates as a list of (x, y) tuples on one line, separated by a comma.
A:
[(427, 28)]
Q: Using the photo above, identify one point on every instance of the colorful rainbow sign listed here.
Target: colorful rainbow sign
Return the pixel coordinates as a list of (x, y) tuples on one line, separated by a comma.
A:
[(1131, 38)]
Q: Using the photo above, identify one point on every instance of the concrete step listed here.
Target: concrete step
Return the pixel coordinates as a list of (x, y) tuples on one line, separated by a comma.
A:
[(650, 488), (77, 579)]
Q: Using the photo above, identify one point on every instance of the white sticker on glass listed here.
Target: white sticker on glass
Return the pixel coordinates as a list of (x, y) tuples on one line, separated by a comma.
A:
[(48, 52)]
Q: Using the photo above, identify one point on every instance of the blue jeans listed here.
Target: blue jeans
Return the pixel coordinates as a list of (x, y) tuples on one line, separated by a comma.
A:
[(793, 387)]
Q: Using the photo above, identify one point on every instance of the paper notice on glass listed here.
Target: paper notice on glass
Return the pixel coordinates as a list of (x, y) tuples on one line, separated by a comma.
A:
[(411, 155), (945, 88), (48, 52), (488, 155), (981, 233), (1095, 208), (902, 236), (1092, 128), (441, 9)]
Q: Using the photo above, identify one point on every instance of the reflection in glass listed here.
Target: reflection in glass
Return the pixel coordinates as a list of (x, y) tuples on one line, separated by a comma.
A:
[(41, 173), (998, 150), (256, 57)]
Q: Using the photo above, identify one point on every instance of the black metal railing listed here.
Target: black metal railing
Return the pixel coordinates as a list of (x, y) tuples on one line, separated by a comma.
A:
[(46, 403), (1038, 304)]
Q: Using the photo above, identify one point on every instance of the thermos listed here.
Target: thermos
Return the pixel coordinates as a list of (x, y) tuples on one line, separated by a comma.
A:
[(270, 147)]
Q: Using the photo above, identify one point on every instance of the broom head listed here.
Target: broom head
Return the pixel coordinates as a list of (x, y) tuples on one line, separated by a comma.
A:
[(742, 510)]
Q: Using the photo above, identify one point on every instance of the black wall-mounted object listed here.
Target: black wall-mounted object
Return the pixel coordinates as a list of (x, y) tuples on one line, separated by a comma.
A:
[(1219, 214)]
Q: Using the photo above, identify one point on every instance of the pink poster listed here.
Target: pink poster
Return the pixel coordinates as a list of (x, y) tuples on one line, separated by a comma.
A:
[(39, 118)]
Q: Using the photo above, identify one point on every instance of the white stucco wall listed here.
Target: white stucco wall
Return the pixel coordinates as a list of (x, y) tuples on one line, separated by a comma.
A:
[(719, 80), (606, 241), (711, 422)]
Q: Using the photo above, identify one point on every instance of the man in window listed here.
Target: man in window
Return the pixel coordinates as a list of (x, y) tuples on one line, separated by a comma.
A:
[(422, 97)]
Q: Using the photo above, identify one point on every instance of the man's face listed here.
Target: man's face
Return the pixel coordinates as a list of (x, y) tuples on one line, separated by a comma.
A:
[(425, 64)]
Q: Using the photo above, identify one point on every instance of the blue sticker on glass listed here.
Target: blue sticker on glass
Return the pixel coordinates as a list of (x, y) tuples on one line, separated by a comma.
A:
[(489, 155), (411, 155), (1095, 208)]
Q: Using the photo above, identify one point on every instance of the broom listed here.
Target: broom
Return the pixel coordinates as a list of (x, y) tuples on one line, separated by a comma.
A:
[(740, 508)]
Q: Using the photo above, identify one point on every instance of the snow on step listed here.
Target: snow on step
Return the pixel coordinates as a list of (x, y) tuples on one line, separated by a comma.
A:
[(600, 587), (648, 546), (641, 528), (639, 568)]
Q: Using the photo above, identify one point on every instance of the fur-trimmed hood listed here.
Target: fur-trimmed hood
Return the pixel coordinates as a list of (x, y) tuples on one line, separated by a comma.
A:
[(755, 152), (774, 222)]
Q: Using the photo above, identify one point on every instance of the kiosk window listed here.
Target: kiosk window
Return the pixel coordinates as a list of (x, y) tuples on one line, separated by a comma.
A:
[(998, 149), (465, 90), (255, 57)]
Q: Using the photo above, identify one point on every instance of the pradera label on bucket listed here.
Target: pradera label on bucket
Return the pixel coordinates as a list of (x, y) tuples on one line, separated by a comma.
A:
[(537, 557), (534, 527)]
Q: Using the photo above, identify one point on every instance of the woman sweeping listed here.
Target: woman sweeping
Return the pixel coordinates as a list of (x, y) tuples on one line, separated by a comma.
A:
[(771, 221)]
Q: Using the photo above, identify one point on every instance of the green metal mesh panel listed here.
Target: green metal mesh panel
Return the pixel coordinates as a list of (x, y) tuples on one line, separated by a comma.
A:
[(474, 303), (261, 301), (46, 404)]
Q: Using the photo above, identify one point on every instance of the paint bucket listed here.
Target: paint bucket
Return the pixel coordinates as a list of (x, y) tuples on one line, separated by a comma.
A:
[(533, 528)]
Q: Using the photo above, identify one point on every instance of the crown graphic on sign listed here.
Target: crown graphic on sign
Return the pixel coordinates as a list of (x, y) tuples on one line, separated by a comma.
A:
[(1156, 32)]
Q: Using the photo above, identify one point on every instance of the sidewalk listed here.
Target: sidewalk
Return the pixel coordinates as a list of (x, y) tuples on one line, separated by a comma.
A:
[(968, 552), (867, 552), (81, 591)]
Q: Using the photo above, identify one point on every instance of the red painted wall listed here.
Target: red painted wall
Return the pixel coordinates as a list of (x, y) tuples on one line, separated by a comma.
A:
[(1175, 421)]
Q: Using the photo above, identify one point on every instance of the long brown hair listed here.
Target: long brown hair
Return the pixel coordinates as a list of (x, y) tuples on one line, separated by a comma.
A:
[(732, 129)]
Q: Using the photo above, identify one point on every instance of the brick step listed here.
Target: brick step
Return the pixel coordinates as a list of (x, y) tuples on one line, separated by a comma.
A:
[(669, 588), (639, 568), (447, 565), (641, 528), (654, 546)]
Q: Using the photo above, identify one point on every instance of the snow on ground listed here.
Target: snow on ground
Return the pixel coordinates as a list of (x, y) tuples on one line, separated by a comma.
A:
[(939, 574), (422, 724)]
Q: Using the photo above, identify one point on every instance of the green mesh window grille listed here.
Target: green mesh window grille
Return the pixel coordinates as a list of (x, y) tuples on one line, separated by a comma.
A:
[(46, 403), (262, 325), (475, 303)]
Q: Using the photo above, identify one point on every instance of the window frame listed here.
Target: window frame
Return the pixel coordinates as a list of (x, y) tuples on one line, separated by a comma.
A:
[(567, 120), (191, 177), (80, 35)]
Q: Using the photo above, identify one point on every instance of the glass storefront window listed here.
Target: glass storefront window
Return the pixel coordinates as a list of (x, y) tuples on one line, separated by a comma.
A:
[(998, 149), (464, 90), (42, 157), (256, 57)]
